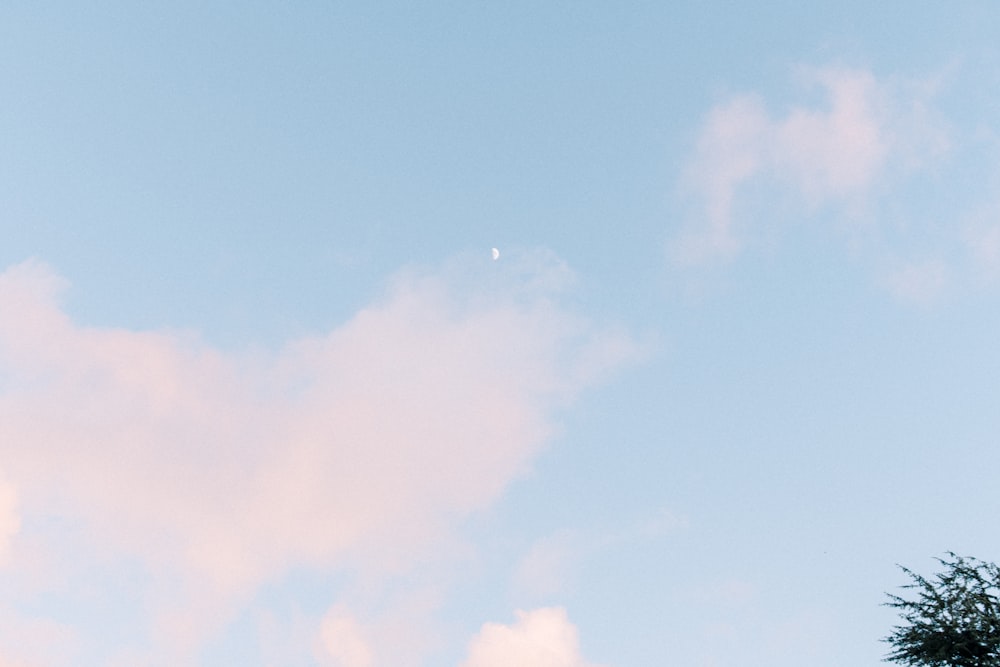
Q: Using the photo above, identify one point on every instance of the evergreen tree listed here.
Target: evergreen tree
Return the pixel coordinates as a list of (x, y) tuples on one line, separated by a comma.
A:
[(954, 620)]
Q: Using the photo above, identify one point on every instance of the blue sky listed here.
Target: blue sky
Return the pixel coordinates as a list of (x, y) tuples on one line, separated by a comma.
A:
[(266, 399)]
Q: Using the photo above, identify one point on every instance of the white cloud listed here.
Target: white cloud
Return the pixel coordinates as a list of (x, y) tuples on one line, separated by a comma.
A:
[(837, 152), (359, 448), (539, 638)]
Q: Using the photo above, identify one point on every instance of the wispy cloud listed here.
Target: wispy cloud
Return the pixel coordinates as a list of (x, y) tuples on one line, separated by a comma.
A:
[(835, 152), (552, 564), (548, 566), (359, 448), (981, 237), (921, 283)]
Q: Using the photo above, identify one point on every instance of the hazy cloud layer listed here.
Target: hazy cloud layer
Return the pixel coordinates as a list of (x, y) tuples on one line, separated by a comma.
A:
[(220, 470)]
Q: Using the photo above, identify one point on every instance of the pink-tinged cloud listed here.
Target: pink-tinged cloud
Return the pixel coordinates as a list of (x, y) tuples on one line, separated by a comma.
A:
[(357, 448), (10, 520), (27, 641), (400, 632), (344, 641), (540, 638), (11, 663), (836, 152)]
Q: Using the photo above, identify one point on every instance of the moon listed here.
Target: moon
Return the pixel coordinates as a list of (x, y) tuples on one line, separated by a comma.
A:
[(495, 253)]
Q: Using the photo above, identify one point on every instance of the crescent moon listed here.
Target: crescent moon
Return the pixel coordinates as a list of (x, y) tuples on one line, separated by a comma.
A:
[(496, 254)]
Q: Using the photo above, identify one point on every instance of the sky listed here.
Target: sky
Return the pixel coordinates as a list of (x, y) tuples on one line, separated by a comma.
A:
[(267, 399)]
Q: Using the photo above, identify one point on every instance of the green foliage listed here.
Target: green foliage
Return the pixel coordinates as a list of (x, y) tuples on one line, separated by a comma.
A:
[(954, 620)]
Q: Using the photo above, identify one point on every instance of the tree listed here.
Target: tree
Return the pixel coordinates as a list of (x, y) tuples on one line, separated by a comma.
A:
[(954, 620)]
